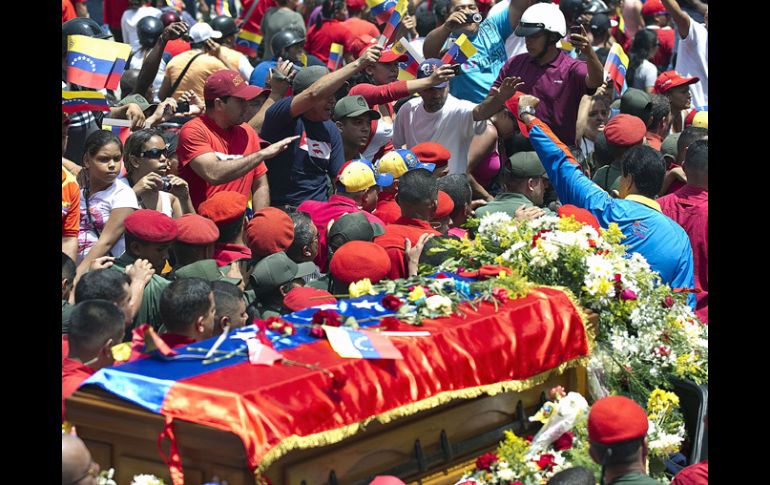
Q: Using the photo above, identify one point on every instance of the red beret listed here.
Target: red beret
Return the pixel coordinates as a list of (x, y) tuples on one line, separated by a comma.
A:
[(195, 229), (270, 230), (357, 260), (445, 206), (430, 152), (151, 226), (614, 419), (625, 130), (580, 215), (224, 207), (304, 297)]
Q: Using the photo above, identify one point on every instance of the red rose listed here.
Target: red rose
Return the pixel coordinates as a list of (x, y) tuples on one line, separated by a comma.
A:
[(327, 317), (485, 461), (668, 302), (529, 437), (390, 324), (392, 302), (338, 380), (546, 460), (564, 442), (591, 243), (317, 331), (618, 277), (628, 295), (501, 294)]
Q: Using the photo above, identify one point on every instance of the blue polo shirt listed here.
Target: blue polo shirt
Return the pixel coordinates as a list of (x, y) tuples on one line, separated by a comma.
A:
[(302, 171), (480, 71), (648, 231)]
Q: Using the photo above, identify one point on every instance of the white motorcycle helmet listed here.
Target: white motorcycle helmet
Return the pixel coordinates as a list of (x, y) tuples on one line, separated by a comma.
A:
[(542, 17)]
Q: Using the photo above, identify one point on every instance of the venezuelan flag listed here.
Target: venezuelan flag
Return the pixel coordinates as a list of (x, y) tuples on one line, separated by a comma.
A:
[(176, 4), (395, 19), (74, 101), (95, 63), (222, 7), (248, 42), (360, 344), (616, 66), (380, 9), (407, 70), (335, 56), (461, 51)]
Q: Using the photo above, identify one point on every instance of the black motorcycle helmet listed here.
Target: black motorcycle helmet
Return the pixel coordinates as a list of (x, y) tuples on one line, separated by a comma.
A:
[(572, 9), (80, 26), (224, 24), (149, 29), (285, 39)]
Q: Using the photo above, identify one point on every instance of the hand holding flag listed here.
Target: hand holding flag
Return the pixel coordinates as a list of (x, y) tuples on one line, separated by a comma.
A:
[(460, 51), (95, 63), (380, 9), (615, 68), (407, 70), (395, 19), (335, 56)]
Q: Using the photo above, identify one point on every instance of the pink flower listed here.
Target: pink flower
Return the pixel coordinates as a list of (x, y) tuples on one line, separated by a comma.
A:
[(327, 317), (392, 302), (668, 302), (556, 391), (628, 295), (564, 442), (317, 331), (618, 277), (546, 460), (501, 294), (485, 461), (390, 324)]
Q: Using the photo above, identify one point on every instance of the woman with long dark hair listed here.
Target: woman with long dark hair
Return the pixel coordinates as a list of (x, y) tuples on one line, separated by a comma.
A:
[(641, 73)]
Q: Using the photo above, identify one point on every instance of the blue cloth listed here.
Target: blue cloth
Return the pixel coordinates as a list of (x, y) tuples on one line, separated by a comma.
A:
[(259, 74), (294, 175), (481, 70), (648, 232)]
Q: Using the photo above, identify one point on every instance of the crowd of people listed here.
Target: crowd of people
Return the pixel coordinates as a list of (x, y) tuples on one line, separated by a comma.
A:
[(255, 182)]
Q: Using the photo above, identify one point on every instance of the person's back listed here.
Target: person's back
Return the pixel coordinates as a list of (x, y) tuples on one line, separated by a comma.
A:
[(195, 77)]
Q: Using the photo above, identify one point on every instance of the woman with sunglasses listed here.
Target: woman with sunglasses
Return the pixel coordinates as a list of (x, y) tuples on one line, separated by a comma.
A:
[(149, 173), (105, 201)]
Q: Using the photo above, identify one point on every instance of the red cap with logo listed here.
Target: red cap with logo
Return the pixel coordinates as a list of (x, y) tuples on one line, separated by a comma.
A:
[(671, 79), (230, 83), (653, 7)]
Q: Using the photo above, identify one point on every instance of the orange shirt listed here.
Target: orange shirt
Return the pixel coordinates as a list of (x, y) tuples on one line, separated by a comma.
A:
[(70, 204), (394, 241), (196, 75)]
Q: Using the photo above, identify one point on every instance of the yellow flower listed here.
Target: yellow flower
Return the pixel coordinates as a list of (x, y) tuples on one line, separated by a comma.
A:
[(613, 234), (121, 352), (569, 224), (360, 288), (417, 293), (661, 401)]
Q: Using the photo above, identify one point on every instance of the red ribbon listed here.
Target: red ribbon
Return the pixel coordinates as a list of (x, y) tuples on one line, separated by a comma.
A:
[(174, 461)]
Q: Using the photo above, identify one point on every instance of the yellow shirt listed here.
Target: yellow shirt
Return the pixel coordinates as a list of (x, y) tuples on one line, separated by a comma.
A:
[(196, 75)]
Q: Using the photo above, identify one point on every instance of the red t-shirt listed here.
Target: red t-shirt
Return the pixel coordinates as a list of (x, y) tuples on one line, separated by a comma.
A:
[(697, 474), (113, 12), (176, 46), (387, 208), (202, 135), (255, 21), (67, 10), (70, 205), (73, 373), (359, 27), (319, 40), (394, 242)]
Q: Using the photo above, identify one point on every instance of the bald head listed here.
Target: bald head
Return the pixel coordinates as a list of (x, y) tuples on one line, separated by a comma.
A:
[(75, 459)]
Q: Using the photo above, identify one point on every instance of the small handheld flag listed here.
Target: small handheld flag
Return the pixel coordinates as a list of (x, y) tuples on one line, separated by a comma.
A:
[(176, 4), (361, 344), (335, 56), (222, 7), (249, 40), (380, 9), (395, 18), (615, 68), (74, 101), (407, 70), (461, 51), (95, 63)]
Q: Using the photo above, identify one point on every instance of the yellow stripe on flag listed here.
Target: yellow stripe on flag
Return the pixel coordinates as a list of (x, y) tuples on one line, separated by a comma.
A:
[(98, 48)]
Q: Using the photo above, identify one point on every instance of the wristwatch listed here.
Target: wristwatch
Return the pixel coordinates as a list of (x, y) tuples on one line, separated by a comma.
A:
[(526, 109)]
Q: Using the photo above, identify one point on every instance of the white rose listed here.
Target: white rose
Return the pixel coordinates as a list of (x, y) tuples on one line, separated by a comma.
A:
[(439, 304)]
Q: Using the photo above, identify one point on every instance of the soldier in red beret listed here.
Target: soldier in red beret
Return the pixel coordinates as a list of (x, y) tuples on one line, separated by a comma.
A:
[(305, 297), (149, 235), (195, 240), (617, 432), (228, 211), (271, 230), (622, 132), (442, 218), (435, 153), (357, 260)]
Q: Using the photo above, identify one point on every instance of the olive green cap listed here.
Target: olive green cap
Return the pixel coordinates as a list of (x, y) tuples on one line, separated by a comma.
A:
[(352, 107), (526, 165)]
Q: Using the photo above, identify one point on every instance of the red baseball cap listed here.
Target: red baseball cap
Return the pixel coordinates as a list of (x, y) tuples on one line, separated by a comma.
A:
[(671, 79), (230, 83), (614, 419), (653, 7), (431, 152)]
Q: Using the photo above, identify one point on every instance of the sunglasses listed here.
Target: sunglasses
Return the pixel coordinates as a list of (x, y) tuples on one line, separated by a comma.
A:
[(154, 153)]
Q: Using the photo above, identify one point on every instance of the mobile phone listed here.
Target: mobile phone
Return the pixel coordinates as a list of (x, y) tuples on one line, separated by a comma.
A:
[(457, 68), (576, 29), (183, 107)]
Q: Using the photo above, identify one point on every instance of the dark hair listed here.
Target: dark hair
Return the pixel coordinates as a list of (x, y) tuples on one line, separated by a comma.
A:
[(197, 45), (661, 107), (328, 9), (102, 284), (426, 22), (458, 189), (186, 253), (644, 42), (303, 235), (689, 136), (92, 322), (183, 301), (135, 142), (697, 156), (230, 231), (68, 268), (646, 166), (621, 453), (226, 298), (602, 155), (573, 476), (100, 139), (441, 9), (417, 187)]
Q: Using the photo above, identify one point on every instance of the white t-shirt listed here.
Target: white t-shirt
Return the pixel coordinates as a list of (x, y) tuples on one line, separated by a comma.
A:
[(381, 137), (692, 60), (645, 75), (117, 196), (452, 127), (136, 63), (128, 23), (513, 45)]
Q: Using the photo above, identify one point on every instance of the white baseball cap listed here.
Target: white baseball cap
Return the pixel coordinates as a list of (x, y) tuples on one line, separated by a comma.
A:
[(201, 32)]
